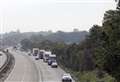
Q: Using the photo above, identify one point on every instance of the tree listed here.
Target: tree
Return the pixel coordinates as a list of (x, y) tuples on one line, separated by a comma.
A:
[(118, 4), (111, 28), (26, 44), (96, 42)]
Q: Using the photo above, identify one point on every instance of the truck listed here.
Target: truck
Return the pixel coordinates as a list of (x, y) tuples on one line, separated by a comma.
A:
[(51, 59), (42, 52), (46, 56), (35, 53)]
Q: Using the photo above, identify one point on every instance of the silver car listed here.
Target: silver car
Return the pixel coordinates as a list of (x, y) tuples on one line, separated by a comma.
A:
[(67, 78)]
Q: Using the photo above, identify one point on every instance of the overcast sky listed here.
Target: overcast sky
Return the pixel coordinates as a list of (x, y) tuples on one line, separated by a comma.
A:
[(44, 15)]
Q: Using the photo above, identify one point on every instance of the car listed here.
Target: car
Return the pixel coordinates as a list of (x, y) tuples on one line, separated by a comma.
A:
[(0, 54), (54, 64), (66, 78), (49, 62), (7, 50), (36, 58), (29, 54), (52, 58)]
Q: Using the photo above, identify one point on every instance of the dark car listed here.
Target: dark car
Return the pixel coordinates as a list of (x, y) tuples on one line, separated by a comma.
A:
[(41, 56), (29, 54), (36, 58), (0, 54), (49, 62)]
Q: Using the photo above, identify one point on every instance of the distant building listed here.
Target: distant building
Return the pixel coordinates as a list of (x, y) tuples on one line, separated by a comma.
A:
[(75, 30), (18, 31), (50, 31)]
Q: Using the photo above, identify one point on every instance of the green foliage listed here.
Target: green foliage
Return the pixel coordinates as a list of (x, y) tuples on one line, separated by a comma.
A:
[(112, 29), (92, 77), (118, 4), (13, 38), (26, 44), (107, 53)]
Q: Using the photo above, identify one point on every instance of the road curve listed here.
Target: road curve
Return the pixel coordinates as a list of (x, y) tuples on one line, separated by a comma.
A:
[(46, 73), (2, 59), (27, 69), (24, 69)]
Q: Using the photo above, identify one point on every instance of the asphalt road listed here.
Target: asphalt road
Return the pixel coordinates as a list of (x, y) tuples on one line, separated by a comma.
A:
[(47, 73), (24, 70), (27, 69), (2, 59)]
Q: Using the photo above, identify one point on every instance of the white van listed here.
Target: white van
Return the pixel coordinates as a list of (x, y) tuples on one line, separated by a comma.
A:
[(36, 53), (46, 56), (42, 52)]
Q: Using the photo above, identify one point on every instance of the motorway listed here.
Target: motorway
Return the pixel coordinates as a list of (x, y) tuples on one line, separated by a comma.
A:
[(27, 69), (2, 59), (24, 69)]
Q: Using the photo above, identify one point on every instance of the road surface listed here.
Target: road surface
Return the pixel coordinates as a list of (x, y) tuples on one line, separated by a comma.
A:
[(49, 74), (2, 59), (27, 69), (24, 70)]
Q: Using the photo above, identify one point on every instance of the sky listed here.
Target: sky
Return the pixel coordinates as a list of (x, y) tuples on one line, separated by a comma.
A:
[(44, 15)]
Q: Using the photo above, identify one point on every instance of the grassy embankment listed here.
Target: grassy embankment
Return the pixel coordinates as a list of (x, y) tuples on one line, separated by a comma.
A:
[(88, 76)]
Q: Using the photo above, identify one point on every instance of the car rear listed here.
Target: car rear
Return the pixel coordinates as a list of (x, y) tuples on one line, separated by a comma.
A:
[(54, 65), (66, 78)]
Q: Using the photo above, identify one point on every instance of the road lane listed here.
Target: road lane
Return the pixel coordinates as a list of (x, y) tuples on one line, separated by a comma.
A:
[(2, 59), (24, 70), (48, 74)]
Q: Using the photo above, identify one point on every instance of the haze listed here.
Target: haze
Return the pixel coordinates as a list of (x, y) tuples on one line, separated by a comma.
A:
[(44, 15)]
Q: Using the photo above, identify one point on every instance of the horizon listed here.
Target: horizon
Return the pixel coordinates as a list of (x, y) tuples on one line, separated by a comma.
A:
[(55, 15), (18, 31)]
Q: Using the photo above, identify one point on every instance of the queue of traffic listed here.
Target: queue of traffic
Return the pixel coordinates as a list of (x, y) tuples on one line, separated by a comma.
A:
[(46, 56), (50, 59)]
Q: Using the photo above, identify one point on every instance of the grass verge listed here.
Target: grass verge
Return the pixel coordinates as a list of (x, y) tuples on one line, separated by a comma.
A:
[(88, 76)]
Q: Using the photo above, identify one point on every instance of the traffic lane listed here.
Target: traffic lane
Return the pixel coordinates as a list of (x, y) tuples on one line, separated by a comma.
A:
[(50, 74), (46, 73), (36, 71), (24, 70), (2, 59)]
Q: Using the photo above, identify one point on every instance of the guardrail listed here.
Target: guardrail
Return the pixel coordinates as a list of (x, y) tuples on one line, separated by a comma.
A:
[(6, 68)]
